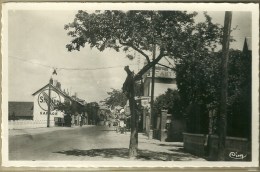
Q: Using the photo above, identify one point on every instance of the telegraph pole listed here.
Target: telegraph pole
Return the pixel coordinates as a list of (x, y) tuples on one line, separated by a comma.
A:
[(150, 127), (152, 97), (222, 124), (49, 105)]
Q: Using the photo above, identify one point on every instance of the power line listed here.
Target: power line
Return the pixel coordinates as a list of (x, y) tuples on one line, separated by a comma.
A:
[(27, 61), (64, 68), (110, 67)]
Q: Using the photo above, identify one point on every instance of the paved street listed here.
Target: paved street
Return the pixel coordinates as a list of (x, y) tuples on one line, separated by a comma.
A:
[(88, 143)]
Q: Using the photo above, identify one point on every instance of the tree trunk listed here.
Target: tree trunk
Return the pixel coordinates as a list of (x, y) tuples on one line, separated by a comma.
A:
[(133, 146), (129, 89)]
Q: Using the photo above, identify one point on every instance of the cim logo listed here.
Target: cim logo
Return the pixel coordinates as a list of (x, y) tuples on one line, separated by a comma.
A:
[(43, 99)]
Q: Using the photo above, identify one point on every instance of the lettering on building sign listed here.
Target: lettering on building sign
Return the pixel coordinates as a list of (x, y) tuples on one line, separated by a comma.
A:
[(164, 74), (45, 113), (43, 100)]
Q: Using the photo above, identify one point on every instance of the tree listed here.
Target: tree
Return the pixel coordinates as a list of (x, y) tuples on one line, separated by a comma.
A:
[(173, 33), (198, 83), (69, 108), (92, 110), (116, 98), (171, 101)]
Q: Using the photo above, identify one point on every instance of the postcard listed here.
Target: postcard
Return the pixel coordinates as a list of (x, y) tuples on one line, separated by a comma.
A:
[(130, 85)]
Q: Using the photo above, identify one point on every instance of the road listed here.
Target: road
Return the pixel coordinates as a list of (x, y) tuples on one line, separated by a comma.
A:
[(88, 143)]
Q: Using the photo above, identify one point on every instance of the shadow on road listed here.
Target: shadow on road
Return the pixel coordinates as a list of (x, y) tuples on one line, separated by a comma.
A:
[(123, 153), (169, 145)]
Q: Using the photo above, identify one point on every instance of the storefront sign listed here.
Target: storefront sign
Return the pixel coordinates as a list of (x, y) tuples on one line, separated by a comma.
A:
[(43, 99)]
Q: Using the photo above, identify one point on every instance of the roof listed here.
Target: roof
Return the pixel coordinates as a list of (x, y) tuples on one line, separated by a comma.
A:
[(247, 44), (56, 89), (20, 108), (80, 101)]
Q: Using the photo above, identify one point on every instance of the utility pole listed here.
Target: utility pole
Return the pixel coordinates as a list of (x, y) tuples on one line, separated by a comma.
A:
[(222, 124), (49, 105), (152, 97), (150, 126)]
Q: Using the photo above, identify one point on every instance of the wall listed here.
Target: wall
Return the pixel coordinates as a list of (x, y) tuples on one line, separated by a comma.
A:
[(175, 131), (233, 145), (194, 143), (160, 86), (198, 145), (22, 124)]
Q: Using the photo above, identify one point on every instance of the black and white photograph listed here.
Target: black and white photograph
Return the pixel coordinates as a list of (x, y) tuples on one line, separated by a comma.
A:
[(130, 85)]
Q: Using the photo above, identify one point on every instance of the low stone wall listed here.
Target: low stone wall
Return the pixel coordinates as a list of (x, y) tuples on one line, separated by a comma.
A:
[(235, 147), (194, 143), (22, 124)]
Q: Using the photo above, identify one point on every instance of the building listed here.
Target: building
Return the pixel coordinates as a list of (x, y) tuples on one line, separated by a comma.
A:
[(20, 110), (41, 98), (34, 114), (164, 78), (247, 48)]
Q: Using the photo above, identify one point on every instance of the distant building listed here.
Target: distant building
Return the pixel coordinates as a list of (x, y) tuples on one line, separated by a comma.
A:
[(20, 110), (41, 98), (247, 48), (34, 114)]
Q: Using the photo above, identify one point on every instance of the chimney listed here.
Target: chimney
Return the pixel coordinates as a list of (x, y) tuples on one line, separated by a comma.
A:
[(55, 83), (58, 85), (51, 81)]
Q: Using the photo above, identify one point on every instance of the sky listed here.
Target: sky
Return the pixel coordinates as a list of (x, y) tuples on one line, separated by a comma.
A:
[(37, 39)]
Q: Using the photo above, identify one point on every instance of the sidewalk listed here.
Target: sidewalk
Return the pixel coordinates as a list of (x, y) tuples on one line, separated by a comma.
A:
[(148, 149), (151, 149)]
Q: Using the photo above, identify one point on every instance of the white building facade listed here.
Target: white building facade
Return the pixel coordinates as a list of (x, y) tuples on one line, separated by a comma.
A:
[(41, 98)]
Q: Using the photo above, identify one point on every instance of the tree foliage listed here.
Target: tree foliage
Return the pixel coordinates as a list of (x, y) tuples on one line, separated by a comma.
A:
[(170, 101), (116, 98), (92, 110), (70, 108), (199, 78), (174, 32)]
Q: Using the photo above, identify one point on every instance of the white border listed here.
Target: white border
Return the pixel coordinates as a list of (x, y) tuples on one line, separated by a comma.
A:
[(254, 8)]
